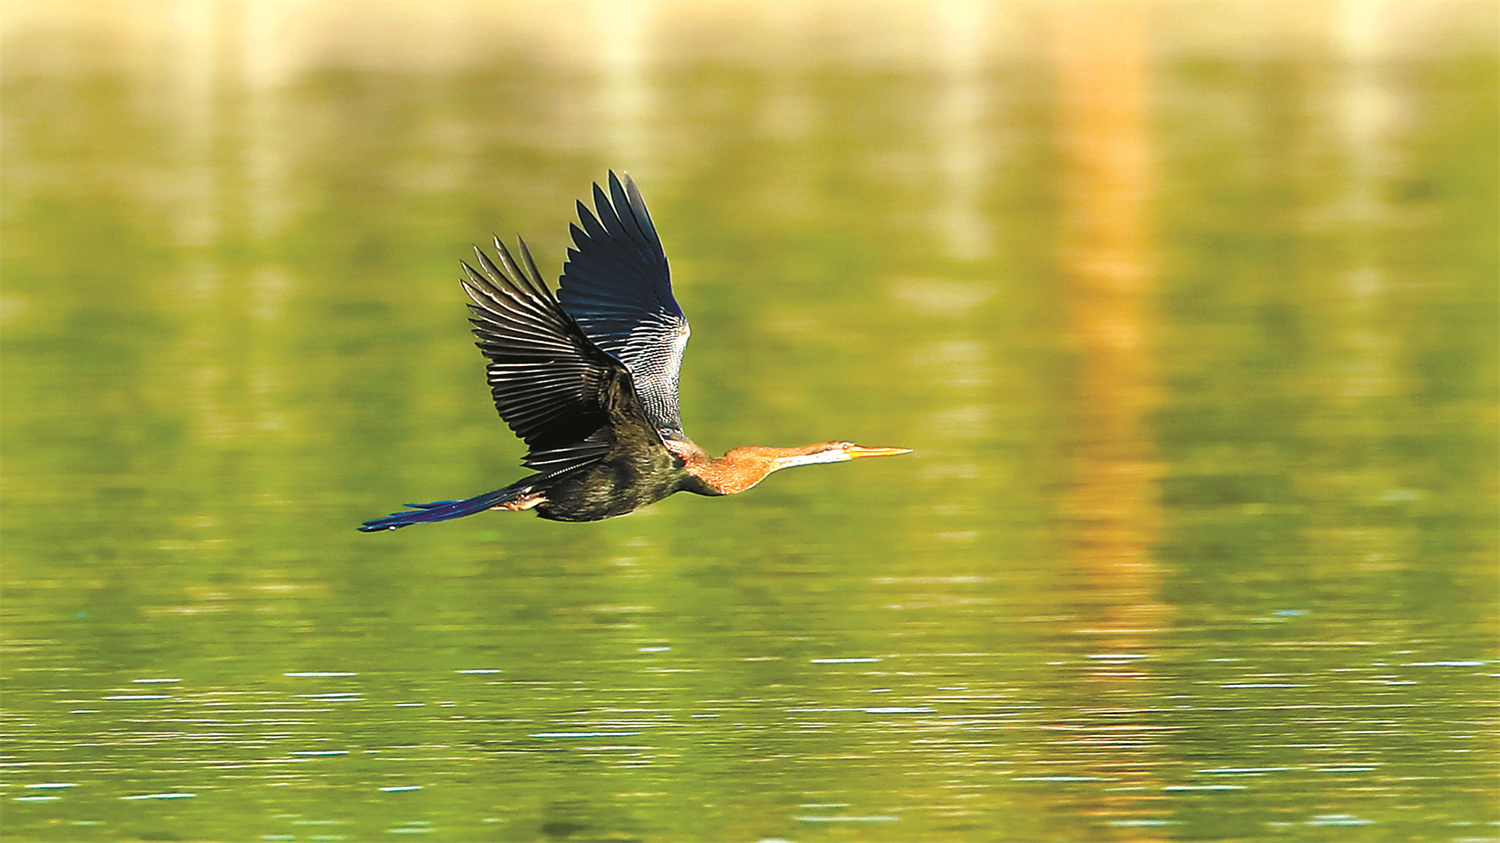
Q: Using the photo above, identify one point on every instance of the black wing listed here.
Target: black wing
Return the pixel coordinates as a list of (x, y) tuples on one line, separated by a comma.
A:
[(617, 286), (552, 386)]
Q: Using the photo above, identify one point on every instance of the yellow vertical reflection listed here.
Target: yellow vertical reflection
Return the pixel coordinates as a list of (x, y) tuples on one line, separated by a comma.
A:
[(1107, 265), (962, 143), (1113, 505), (627, 105)]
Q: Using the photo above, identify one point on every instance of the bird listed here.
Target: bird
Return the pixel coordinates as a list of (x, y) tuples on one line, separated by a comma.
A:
[(588, 377)]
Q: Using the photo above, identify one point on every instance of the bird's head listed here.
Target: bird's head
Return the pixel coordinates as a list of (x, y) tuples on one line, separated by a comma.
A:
[(742, 468)]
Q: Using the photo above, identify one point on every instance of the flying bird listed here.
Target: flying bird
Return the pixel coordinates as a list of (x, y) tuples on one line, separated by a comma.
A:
[(588, 378)]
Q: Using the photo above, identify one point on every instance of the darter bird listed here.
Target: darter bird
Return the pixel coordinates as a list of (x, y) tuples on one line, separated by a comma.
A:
[(588, 379)]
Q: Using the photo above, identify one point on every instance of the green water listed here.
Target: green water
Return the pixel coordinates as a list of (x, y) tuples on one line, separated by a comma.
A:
[(1198, 539)]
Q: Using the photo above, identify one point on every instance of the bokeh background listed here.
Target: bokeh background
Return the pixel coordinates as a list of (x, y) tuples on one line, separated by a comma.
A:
[(1189, 311)]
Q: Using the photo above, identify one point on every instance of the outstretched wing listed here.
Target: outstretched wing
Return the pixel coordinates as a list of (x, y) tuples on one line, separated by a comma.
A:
[(552, 386), (617, 286)]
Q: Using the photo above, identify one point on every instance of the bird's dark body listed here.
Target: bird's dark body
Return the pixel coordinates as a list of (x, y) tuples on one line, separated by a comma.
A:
[(588, 379), (636, 470), (619, 484), (633, 473)]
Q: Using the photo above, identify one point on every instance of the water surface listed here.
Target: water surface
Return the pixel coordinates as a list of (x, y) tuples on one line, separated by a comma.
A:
[(1189, 314)]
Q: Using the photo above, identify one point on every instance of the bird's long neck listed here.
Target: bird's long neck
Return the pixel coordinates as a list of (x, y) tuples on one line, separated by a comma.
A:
[(741, 468)]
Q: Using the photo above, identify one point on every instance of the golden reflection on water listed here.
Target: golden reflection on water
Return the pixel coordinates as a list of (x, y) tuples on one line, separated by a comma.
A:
[(1109, 269)]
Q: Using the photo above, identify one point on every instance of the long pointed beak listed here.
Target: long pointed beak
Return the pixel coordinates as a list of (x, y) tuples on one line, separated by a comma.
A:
[(856, 451)]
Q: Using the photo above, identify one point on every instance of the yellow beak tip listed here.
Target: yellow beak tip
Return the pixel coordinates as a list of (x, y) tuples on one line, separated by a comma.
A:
[(857, 451)]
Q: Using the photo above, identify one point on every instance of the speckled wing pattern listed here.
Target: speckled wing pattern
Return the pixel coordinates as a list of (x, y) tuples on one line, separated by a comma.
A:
[(548, 380), (616, 285)]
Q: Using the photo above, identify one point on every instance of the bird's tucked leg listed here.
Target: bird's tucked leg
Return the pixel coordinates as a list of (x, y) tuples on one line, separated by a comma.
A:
[(526, 501)]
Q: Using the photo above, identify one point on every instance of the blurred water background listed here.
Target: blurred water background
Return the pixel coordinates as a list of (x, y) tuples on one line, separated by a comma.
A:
[(1188, 309)]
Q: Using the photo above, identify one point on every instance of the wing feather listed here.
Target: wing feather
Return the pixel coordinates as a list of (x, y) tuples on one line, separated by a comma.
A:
[(551, 384), (617, 286)]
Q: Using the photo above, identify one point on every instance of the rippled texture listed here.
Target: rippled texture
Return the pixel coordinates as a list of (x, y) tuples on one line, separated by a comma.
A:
[(1190, 313)]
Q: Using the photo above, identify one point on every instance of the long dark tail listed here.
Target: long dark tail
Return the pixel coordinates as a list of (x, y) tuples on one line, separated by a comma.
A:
[(445, 510)]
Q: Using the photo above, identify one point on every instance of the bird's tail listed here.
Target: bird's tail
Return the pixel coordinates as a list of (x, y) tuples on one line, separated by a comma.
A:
[(445, 510)]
